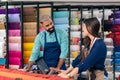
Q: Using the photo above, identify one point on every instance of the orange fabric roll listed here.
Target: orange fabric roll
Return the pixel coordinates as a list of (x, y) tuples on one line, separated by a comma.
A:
[(30, 32), (27, 53), (2, 26), (26, 59), (29, 38), (30, 25), (14, 39)]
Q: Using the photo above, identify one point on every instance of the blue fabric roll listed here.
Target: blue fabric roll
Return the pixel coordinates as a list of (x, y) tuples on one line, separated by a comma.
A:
[(117, 68), (117, 49), (61, 14), (2, 61), (117, 55), (61, 21), (62, 26)]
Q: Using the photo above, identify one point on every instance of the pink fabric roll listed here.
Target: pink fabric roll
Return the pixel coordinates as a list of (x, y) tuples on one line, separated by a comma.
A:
[(14, 39), (14, 32), (15, 60), (15, 54), (15, 46)]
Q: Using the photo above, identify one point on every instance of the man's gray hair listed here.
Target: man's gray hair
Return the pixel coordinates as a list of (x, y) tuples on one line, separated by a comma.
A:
[(44, 18)]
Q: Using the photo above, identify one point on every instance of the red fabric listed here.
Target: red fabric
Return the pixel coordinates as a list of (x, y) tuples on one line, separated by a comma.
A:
[(115, 28), (24, 75), (6, 78)]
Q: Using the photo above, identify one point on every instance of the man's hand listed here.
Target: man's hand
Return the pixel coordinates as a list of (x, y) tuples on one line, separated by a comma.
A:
[(54, 69)]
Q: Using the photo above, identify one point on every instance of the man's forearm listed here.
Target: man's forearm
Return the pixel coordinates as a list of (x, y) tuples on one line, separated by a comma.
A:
[(60, 63)]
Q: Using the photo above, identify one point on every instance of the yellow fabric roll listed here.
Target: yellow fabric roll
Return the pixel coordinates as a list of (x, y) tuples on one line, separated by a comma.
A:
[(30, 25), (29, 38), (75, 54), (30, 32), (28, 46), (27, 53), (2, 26), (14, 39), (45, 11)]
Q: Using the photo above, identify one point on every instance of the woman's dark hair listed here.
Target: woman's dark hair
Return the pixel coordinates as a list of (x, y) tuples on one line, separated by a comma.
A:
[(93, 26)]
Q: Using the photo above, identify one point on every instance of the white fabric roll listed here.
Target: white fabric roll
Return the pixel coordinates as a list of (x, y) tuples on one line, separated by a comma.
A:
[(2, 18), (74, 47), (108, 41), (2, 33), (75, 34), (75, 27)]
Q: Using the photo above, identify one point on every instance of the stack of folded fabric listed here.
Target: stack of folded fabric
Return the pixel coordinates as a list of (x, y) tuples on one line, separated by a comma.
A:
[(30, 31), (14, 37)]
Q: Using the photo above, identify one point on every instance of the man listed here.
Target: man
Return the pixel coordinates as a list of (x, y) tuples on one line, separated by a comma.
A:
[(54, 42)]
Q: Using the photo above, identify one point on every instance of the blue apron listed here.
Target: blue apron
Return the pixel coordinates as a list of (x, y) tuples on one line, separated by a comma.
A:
[(52, 52)]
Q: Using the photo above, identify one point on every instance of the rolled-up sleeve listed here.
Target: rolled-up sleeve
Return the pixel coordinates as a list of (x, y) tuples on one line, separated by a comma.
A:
[(64, 44), (36, 49)]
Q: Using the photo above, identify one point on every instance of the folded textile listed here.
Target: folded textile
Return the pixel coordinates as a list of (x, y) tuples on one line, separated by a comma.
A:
[(2, 39), (13, 17), (61, 21), (14, 39), (30, 25), (2, 18), (30, 18), (117, 48), (108, 41), (29, 38), (26, 60), (75, 21), (30, 32), (75, 27), (14, 25), (2, 25), (45, 11), (2, 33), (29, 11), (62, 26), (15, 54), (74, 47), (2, 61), (14, 60), (14, 32), (14, 46), (117, 55), (75, 14), (27, 53), (74, 54), (75, 34), (28, 46), (61, 14), (10, 11)]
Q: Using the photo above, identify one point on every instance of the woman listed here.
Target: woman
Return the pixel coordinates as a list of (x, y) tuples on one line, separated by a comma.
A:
[(92, 57)]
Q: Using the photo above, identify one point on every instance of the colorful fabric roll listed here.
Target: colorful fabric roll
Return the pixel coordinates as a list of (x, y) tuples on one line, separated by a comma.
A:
[(62, 26), (14, 66), (14, 32), (75, 14), (117, 49), (1, 39), (15, 54), (14, 25), (117, 12), (75, 34), (75, 27), (2, 26), (75, 54), (30, 18), (117, 55), (75, 21), (14, 46), (75, 47), (27, 53), (61, 14), (75, 41), (108, 41), (30, 32), (13, 17), (117, 62), (30, 25), (15, 39), (2, 61), (10, 11), (117, 68), (29, 11), (45, 11), (2, 18), (61, 21), (29, 38), (1, 53), (28, 46), (26, 59), (2, 33), (14, 60)]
